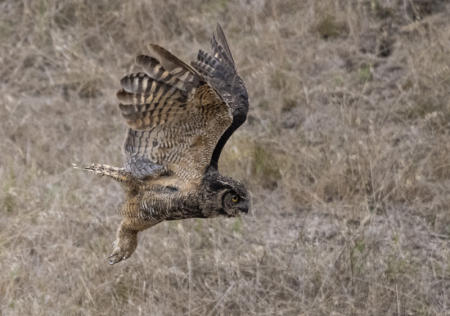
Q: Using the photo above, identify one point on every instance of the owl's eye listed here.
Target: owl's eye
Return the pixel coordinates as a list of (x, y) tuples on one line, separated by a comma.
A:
[(235, 199)]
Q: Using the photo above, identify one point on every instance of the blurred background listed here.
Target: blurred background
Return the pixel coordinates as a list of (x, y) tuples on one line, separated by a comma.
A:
[(346, 152)]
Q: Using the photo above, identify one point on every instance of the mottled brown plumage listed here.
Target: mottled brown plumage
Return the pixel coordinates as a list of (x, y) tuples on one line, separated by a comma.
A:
[(179, 119)]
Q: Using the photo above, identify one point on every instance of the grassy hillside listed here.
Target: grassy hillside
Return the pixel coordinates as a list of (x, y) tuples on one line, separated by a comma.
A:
[(346, 152)]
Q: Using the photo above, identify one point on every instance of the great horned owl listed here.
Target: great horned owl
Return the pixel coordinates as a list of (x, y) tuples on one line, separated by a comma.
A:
[(179, 119)]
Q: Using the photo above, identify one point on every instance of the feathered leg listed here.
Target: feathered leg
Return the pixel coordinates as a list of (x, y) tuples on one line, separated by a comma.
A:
[(135, 219)]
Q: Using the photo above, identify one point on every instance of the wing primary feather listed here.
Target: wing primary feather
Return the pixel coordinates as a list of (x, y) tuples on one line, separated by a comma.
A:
[(170, 61), (223, 42), (156, 71)]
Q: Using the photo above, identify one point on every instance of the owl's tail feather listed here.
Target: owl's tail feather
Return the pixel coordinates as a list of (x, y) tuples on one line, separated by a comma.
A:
[(118, 174)]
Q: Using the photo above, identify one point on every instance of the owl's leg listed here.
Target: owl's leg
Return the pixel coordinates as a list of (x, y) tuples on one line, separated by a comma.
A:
[(138, 215), (126, 239), (125, 243)]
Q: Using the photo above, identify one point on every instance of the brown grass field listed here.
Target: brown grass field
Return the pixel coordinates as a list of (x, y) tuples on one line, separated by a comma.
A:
[(346, 152)]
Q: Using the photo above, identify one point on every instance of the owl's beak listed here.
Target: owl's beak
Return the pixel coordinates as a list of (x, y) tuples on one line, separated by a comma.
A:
[(244, 207)]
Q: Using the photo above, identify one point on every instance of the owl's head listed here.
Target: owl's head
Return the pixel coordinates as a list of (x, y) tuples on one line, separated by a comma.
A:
[(224, 196)]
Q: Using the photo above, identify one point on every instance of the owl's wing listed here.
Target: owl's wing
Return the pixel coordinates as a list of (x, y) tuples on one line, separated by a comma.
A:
[(180, 117), (175, 118), (219, 70)]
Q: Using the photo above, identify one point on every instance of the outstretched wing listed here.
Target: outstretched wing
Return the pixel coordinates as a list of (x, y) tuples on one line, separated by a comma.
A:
[(180, 117), (220, 73), (175, 118)]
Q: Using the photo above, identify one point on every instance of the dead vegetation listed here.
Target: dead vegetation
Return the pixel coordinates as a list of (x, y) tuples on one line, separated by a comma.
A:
[(346, 151)]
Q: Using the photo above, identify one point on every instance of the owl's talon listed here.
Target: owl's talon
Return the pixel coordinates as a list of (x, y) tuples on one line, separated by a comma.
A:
[(123, 246), (117, 256), (113, 259)]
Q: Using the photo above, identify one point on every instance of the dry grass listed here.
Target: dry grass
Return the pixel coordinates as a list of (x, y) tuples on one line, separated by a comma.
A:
[(346, 151)]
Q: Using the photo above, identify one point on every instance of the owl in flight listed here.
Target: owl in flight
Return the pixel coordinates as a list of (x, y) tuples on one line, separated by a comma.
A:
[(179, 118)]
